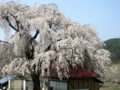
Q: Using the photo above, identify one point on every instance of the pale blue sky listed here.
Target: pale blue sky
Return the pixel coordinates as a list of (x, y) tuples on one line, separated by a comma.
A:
[(104, 15)]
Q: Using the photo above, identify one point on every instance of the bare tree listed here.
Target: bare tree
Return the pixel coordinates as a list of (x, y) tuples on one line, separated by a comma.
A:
[(43, 35)]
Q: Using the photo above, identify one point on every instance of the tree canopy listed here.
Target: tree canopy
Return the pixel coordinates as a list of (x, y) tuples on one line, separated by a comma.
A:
[(42, 35)]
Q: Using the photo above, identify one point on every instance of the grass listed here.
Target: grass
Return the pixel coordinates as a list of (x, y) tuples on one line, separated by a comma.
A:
[(109, 88)]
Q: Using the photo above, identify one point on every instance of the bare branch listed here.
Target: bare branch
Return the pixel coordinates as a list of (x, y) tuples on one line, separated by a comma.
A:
[(7, 18)]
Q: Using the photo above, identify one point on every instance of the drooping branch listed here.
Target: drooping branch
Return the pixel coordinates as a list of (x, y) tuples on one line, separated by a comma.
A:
[(35, 36), (34, 68), (4, 41), (48, 48), (17, 22), (50, 24), (39, 69), (55, 27), (7, 18), (13, 15), (29, 69)]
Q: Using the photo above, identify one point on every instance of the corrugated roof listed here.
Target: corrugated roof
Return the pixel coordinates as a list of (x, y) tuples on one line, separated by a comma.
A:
[(75, 72), (5, 79)]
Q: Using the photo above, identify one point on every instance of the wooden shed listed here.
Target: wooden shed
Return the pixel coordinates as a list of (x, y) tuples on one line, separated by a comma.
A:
[(4, 81), (80, 78), (20, 84)]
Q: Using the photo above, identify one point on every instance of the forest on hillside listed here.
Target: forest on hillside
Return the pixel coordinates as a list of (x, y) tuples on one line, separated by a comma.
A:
[(113, 45)]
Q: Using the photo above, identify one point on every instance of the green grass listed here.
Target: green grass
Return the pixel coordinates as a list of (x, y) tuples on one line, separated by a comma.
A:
[(109, 88)]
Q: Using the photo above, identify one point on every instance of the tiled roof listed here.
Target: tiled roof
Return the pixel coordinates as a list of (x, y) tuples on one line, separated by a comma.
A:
[(75, 72)]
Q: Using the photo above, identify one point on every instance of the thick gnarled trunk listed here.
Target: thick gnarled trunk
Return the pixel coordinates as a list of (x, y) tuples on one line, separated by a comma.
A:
[(36, 82)]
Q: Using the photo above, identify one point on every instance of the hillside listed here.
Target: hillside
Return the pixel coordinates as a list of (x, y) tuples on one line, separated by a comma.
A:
[(113, 45)]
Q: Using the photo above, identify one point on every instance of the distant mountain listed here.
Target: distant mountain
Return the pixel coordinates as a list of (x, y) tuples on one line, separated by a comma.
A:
[(113, 45)]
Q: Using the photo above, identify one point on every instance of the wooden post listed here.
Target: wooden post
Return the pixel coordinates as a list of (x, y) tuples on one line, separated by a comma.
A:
[(9, 84), (24, 84)]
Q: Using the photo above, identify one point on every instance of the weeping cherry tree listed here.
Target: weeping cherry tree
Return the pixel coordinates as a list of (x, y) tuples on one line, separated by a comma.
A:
[(37, 36)]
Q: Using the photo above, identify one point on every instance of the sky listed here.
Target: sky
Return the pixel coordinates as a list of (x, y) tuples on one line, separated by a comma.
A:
[(103, 15)]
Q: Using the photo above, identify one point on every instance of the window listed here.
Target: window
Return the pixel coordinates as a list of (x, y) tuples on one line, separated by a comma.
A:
[(56, 85)]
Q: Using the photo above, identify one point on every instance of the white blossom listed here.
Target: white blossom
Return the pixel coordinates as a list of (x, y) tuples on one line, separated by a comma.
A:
[(57, 39)]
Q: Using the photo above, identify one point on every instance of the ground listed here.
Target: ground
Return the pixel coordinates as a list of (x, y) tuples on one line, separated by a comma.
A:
[(109, 88)]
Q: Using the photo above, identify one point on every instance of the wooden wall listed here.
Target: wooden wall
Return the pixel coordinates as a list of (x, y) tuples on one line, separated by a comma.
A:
[(77, 83), (16, 84), (83, 83)]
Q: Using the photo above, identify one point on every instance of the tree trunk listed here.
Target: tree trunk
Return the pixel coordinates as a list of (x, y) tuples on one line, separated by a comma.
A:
[(36, 81)]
